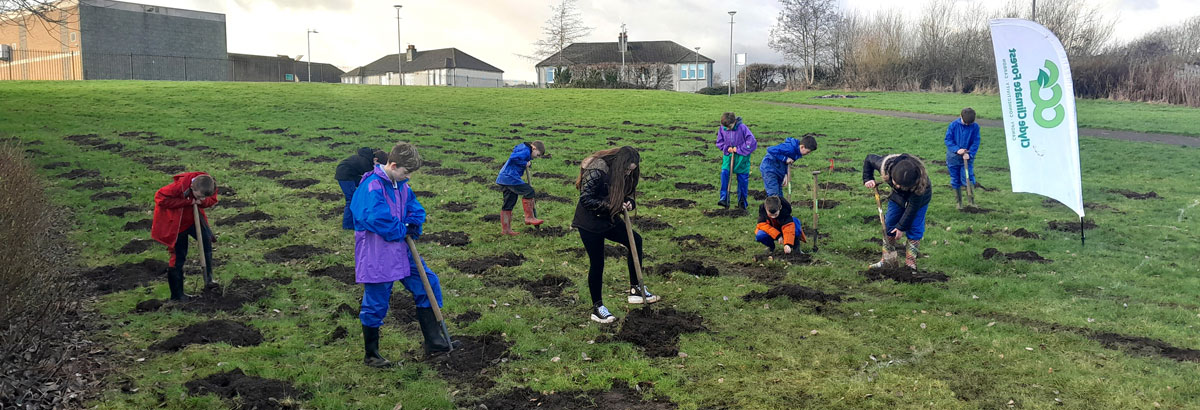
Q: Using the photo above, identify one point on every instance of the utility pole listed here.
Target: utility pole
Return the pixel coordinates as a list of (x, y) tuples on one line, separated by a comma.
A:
[(697, 68), (624, 45), (730, 88), (399, 47), (309, 35)]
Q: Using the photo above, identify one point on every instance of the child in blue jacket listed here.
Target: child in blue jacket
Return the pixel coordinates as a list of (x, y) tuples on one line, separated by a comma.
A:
[(385, 211), (962, 140), (774, 166), (512, 185)]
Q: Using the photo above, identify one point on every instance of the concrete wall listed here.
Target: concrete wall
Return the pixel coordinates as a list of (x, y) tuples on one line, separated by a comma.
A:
[(132, 41), (690, 85)]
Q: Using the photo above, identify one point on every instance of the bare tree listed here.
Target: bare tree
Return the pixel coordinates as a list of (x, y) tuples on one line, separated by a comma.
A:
[(803, 32), (565, 26), (15, 11)]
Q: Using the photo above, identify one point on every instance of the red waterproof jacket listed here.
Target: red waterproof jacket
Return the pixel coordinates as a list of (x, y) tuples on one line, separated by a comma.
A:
[(173, 209)]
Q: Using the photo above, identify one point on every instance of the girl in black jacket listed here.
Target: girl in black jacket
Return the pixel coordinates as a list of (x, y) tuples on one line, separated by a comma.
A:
[(607, 185), (906, 206)]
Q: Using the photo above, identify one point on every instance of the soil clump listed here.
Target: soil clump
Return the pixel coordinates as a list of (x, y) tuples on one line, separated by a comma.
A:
[(657, 329), (475, 266), (213, 331), (293, 252), (248, 392), (904, 274), (793, 292)]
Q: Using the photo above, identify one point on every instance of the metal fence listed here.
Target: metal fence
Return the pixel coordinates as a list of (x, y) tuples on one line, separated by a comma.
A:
[(75, 65)]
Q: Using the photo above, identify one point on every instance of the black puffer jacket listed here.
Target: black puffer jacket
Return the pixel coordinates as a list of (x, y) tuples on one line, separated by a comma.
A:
[(911, 201), (592, 214), (353, 167)]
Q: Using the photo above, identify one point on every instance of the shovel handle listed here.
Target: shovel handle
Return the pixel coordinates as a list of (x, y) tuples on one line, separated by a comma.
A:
[(199, 235), (637, 263), (416, 257), (816, 203), (967, 178)]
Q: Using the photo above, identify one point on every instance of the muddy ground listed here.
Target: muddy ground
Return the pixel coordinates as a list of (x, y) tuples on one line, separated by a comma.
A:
[(1030, 256), (446, 238), (618, 397), (475, 266), (293, 253), (248, 392), (904, 274), (471, 364), (109, 279), (340, 273), (1071, 226), (657, 329), (793, 292), (688, 266), (213, 331)]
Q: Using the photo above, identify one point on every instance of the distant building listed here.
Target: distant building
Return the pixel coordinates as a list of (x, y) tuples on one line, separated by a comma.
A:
[(690, 70), (114, 40), (448, 67)]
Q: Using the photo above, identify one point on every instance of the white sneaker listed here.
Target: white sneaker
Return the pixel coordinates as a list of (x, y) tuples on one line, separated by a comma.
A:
[(636, 297), (600, 314)]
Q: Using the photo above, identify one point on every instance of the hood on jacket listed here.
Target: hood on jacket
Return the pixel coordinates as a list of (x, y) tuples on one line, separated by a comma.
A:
[(366, 153)]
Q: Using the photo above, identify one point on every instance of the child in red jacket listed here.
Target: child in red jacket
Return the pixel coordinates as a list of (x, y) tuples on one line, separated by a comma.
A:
[(174, 222)]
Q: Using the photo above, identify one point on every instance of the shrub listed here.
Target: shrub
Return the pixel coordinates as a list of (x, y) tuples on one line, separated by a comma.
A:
[(719, 90)]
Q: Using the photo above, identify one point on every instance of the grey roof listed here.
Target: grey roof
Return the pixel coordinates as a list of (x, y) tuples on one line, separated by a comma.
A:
[(425, 60), (668, 52)]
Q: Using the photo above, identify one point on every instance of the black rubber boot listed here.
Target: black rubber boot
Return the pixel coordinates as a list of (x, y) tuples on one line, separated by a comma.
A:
[(175, 283), (723, 204), (435, 340), (371, 356)]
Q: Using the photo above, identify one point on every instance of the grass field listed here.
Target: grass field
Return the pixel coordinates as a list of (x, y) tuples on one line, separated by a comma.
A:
[(1105, 114), (998, 334)]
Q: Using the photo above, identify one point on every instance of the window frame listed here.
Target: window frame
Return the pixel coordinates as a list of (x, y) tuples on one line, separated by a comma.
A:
[(549, 75)]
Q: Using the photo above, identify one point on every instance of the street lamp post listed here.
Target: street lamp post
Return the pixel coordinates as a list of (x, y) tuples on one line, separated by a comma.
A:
[(309, 35), (399, 47), (729, 90), (697, 67)]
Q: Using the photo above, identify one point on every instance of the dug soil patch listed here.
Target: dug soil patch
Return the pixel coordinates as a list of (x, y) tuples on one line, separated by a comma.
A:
[(267, 232), (1134, 195), (1023, 233), (548, 232), (649, 224), (688, 266), (904, 274), (835, 186), (822, 204), (793, 292), (458, 206), (246, 217), (1071, 226), (672, 203), (725, 213), (136, 246), (467, 317), (232, 296), (94, 185), (447, 238), (344, 274), (121, 210), (657, 330), (757, 195), (795, 258), (248, 392), (697, 241), (108, 196), (213, 331), (271, 173), (1030, 256), (293, 252), (490, 218), (469, 365), (618, 397), (694, 187), (322, 159), (234, 203), (548, 287), (445, 172), (109, 279), (544, 196), (974, 210), (246, 164), (475, 266), (142, 225), (1132, 345), (298, 183)]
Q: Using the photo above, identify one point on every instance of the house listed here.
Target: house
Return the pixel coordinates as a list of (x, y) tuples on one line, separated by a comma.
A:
[(246, 67), (107, 40), (690, 70), (448, 67)]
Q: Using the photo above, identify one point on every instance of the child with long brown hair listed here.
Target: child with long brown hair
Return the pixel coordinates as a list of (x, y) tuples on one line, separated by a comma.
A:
[(607, 186)]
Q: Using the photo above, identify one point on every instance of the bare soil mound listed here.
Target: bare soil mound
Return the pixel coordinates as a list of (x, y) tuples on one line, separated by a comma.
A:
[(657, 330), (248, 392), (475, 266), (213, 331), (793, 292), (293, 252), (904, 274), (688, 266), (447, 238)]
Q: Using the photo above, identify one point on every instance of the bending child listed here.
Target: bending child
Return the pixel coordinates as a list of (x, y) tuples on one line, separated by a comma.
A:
[(385, 211), (736, 143), (776, 224), (350, 171), (607, 185), (174, 222), (962, 142), (906, 206), (774, 166), (513, 186)]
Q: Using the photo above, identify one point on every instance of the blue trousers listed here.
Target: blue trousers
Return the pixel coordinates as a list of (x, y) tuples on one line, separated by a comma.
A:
[(378, 296), (773, 184), (765, 239), (348, 188), (894, 212), (743, 181), (956, 173)]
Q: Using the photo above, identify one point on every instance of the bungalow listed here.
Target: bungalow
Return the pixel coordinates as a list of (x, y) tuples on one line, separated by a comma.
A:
[(447, 67), (690, 70)]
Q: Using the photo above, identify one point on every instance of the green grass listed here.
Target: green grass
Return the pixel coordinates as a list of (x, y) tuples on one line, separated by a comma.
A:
[(887, 345), (1104, 114)]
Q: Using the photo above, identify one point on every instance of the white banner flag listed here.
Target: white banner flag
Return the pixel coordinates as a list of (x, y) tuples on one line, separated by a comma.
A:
[(1038, 100)]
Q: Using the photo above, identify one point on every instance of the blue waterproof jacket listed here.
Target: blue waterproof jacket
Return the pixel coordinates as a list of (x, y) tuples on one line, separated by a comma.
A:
[(961, 136), (776, 159), (514, 168)]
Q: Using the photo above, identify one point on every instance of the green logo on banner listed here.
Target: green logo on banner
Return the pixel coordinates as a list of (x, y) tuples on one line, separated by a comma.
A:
[(1047, 79)]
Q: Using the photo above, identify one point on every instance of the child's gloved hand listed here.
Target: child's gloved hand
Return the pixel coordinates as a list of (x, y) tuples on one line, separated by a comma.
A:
[(414, 231)]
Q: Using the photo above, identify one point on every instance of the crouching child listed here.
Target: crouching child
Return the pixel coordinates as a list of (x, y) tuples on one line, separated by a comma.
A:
[(174, 222), (776, 224), (906, 206), (513, 186), (774, 166), (385, 211), (350, 171)]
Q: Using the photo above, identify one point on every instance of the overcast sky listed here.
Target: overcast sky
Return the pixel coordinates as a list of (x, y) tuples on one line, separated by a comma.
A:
[(354, 33)]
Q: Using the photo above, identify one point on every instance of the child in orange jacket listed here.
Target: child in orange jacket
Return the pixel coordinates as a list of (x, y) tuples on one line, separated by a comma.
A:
[(775, 223)]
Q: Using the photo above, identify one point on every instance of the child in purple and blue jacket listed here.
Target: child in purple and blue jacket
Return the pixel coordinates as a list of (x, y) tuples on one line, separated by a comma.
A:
[(736, 143), (385, 211)]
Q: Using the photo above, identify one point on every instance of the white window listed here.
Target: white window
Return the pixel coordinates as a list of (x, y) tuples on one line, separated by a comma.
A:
[(74, 37), (692, 71), (701, 71), (683, 72), (549, 75)]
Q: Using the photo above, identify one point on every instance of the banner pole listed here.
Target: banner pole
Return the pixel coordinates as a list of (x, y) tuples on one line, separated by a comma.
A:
[(1082, 241)]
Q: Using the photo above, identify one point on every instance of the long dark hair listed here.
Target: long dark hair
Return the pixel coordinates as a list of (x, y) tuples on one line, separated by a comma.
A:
[(619, 185)]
